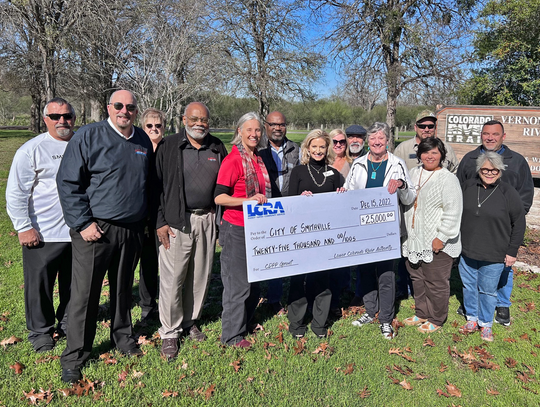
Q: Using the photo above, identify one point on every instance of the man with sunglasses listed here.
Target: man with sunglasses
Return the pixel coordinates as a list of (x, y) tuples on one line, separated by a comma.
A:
[(103, 183), (518, 175), (187, 166), (425, 126), (280, 156), (34, 207)]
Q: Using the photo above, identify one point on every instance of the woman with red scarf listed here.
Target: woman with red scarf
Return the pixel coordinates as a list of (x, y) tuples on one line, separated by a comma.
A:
[(242, 177)]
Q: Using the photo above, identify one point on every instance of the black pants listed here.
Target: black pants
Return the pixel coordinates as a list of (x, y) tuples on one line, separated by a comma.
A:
[(378, 282), (240, 297), (117, 252), (41, 265), (316, 287), (148, 273)]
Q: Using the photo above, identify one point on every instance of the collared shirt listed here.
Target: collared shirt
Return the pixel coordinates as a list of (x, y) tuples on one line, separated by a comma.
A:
[(201, 167), (277, 155), (116, 130)]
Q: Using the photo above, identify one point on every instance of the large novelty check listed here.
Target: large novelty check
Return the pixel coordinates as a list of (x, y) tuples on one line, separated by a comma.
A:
[(303, 234)]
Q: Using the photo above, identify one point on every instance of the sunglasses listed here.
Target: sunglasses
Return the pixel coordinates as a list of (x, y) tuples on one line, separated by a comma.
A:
[(340, 142), (57, 116), (120, 106), (487, 171), (150, 125), (425, 126)]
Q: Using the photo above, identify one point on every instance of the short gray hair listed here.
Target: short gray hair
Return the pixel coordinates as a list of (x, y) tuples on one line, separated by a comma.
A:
[(59, 102), (237, 139), (495, 159), (377, 127)]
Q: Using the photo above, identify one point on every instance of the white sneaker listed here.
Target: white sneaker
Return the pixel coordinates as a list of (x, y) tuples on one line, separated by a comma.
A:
[(363, 320), (387, 331)]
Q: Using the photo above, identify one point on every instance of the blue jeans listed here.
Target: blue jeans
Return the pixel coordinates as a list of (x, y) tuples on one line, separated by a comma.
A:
[(504, 289), (480, 280)]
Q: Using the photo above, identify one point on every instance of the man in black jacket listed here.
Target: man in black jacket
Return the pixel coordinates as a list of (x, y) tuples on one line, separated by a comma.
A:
[(279, 157), (518, 175), (103, 183), (187, 165)]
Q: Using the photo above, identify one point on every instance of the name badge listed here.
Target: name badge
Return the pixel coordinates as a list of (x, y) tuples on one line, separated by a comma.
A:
[(412, 155), (328, 173)]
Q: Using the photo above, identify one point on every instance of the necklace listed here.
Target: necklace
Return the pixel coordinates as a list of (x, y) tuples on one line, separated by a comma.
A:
[(373, 169), (418, 189), (318, 172), (478, 198)]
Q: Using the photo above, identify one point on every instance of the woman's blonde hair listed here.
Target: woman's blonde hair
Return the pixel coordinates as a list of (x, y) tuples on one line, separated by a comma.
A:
[(312, 135), (333, 134)]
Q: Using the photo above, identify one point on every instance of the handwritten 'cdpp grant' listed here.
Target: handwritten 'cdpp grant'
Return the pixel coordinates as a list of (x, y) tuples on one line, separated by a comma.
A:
[(303, 234)]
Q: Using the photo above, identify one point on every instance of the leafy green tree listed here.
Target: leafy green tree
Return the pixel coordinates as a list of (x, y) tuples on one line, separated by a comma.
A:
[(508, 49)]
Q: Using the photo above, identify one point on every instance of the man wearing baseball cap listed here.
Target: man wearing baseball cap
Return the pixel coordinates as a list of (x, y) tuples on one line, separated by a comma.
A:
[(425, 126), (356, 135)]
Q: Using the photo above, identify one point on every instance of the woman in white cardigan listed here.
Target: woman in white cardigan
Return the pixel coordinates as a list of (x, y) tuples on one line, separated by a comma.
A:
[(433, 240)]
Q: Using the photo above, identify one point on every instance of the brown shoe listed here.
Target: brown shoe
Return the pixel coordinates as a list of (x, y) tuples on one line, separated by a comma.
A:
[(196, 335), (169, 348)]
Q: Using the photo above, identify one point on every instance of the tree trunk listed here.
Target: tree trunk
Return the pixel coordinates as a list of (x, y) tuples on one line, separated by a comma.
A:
[(35, 114)]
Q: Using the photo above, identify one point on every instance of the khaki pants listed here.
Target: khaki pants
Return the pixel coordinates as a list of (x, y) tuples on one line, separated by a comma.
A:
[(185, 271)]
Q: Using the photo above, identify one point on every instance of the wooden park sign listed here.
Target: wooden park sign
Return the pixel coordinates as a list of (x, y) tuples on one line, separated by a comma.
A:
[(461, 126)]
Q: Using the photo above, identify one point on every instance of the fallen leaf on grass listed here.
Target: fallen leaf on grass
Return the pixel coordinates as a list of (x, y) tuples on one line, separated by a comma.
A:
[(394, 351), (168, 393), (442, 393), (136, 374), (35, 398), (524, 377), (456, 338), (65, 392), (268, 355), (399, 369), (17, 367), (394, 380), (46, 359), (452, 389), (406, 385), (443, 368), (365, 393), (12, 233), (510, 340), (139, 385), (279, 337), (493, 392), (420, 376), (299, 347), (259, 327), (531, 370), (143, 341), (181, 377), (349, 369), (123, 375), (235, 365), (407, 349), (428, 342), (407, 357), (455, 323), (210, 392), (531, 390), (525, 337), (12, 340)]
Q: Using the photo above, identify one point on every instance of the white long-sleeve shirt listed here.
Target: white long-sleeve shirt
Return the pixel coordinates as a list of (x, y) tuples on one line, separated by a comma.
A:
[(31, 193), (437, 215)]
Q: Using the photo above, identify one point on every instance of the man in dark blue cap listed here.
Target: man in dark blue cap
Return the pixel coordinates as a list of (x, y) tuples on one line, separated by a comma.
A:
[(357, 136)]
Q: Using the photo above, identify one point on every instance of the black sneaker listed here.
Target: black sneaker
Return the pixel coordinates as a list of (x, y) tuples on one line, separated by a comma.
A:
[(461, 310), (502, 316)]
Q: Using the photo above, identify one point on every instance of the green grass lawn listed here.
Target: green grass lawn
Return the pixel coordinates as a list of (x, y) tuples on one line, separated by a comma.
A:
[(353, 367)]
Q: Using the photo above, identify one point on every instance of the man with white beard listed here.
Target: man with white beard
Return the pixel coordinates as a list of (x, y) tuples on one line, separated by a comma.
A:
[(356, 136), (187, 165)]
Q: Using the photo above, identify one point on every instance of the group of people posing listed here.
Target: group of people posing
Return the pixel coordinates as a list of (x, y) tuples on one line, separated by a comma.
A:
[(96, 201)]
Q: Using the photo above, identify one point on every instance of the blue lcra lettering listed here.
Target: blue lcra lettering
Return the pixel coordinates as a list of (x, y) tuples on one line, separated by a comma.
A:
[(266, 209)]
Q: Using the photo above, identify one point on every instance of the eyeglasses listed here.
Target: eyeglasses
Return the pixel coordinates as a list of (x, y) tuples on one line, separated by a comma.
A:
[(120, 106), (425, 126), (150, 125), (195, 119), (486, 171), (57, 116), (277, 124), (340, 142)]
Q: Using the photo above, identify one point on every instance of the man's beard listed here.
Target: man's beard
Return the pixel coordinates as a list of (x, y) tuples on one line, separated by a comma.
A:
[(355, 148), (64, 132), (276, 138), (194, 132)]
